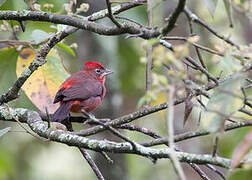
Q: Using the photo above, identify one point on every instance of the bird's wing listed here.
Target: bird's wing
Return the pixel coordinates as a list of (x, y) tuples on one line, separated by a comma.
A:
[(80, 90)]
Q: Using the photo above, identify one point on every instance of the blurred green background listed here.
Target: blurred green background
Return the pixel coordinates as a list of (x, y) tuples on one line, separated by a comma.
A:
[(23, 157)]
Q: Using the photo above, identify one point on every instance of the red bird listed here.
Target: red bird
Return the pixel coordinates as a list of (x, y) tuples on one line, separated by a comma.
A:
[(83, 90)]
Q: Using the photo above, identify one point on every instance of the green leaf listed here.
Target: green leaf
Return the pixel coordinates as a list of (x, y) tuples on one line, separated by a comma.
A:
[(223, 103), (39, 36), (66, 48), (227, 65), (153, 41), (211, 5), (241, 150), (8, 57), (54, 70), (2, 2), (12, 5), (228, 10), (61, 27), (4, 131), (142, 101)]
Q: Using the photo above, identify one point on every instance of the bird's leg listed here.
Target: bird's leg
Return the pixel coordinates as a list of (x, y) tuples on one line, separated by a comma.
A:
[(69, 124)]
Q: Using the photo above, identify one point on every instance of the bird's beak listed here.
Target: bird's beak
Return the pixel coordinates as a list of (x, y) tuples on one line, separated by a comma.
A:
[(107, 72)]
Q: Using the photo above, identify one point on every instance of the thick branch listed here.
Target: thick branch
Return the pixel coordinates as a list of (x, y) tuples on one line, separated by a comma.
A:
[(78, 23), (40, 127)]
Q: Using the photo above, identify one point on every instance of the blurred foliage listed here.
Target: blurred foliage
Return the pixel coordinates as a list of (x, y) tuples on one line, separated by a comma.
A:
[(23, 157), (4, 131), (222, 99)]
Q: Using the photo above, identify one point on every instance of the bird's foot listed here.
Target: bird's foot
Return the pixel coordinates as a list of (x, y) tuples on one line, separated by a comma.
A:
[(59, 126)]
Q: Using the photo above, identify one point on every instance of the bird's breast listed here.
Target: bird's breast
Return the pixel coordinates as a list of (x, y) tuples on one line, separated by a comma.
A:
[(88, 105)]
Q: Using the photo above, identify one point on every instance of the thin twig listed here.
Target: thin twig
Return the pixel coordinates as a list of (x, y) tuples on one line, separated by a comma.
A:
[(156, 136), (170, 119), (28, 132), (148, 54), (201, 69), (215, 146), (216, 171), (191, 60), (113, 130), (193, 134), (197, 46), (245, 99), (196, 19), (243, 110), (111, 16), (91, 164), (200, 172), (14, 32), (116, 9), (173, 18), (143, 130), (107, 157)]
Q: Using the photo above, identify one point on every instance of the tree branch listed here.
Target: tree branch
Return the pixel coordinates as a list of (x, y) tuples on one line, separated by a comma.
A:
[(197, 20), (38, 126), (116, 9), (193, 134), (81, 23), (91, 164), (111, 16), (172, 20)]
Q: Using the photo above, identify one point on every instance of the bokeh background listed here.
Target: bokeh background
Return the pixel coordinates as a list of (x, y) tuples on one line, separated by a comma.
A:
[(23, 157)]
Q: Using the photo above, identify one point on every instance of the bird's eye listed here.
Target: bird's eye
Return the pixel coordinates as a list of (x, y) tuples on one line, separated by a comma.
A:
[(98, 71)]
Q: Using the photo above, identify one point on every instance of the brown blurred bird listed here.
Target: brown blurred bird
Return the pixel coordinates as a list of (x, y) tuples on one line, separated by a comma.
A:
[(82, 91)]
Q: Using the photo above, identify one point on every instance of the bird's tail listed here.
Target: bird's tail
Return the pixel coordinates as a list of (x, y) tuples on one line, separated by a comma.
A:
[(62, 113)]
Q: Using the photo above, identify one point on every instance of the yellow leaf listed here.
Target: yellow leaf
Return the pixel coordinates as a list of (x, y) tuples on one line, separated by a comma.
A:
[(41, 87)]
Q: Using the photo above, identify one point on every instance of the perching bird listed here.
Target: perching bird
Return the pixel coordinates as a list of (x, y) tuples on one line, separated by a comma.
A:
[(82, 91)]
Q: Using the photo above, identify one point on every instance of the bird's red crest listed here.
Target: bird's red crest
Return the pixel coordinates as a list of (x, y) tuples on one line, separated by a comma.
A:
[(97, 64)]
